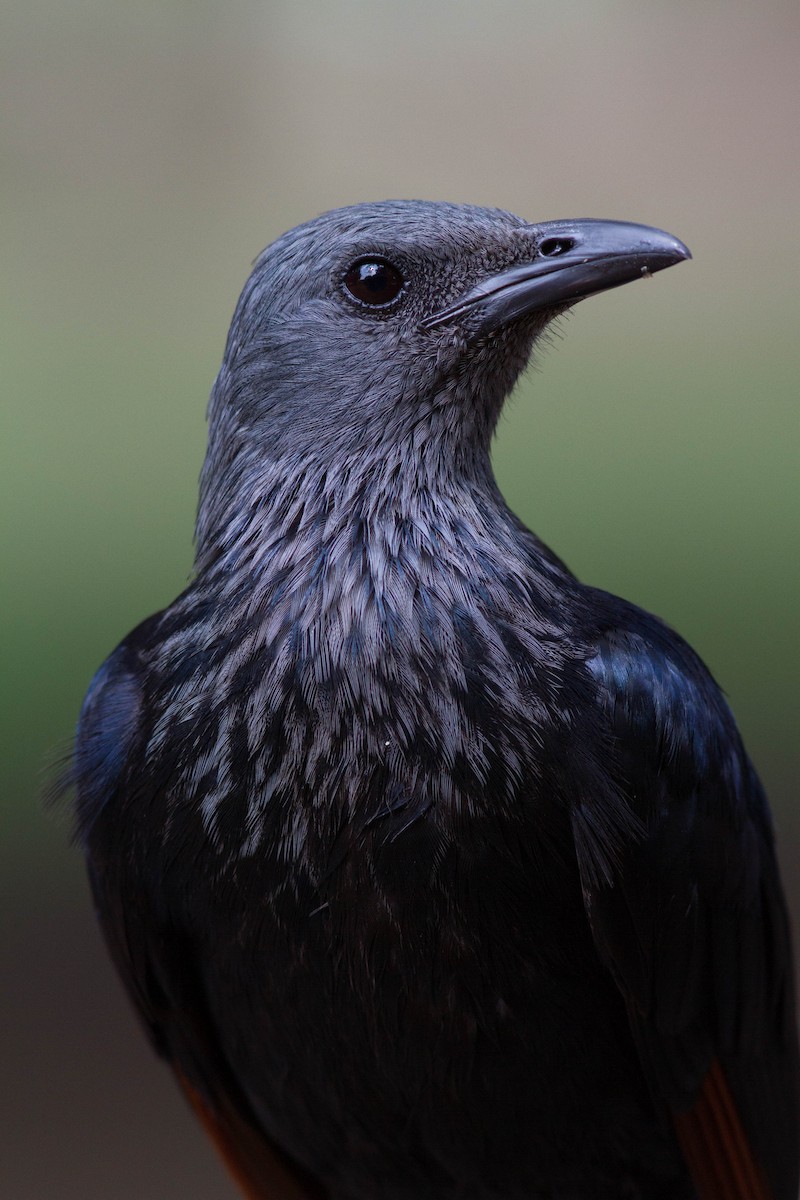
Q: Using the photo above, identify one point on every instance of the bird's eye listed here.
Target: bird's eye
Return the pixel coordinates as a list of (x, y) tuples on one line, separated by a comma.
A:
[(374, 282), (553, 246)]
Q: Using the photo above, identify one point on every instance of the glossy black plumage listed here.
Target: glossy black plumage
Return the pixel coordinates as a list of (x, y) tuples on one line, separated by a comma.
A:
[(430, 869)]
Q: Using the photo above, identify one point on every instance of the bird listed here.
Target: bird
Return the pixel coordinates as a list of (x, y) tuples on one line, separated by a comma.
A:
[(430, 870)]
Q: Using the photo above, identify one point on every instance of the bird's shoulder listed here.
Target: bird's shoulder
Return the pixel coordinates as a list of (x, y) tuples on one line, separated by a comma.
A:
[(677, 757), (691, 921), (110, 725), (661, 699)]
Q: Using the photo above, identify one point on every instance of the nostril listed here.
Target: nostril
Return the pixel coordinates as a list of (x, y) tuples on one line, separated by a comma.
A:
[(551, 247)]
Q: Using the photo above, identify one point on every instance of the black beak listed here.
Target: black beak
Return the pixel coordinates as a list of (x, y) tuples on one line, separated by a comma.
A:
[(573, 260)]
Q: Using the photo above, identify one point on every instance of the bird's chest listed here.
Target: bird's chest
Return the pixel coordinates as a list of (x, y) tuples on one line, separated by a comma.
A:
[(334, 733), (388, 836), (376, 792), (369, 844)]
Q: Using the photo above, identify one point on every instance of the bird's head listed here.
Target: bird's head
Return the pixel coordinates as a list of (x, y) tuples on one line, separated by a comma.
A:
[(400, 325)]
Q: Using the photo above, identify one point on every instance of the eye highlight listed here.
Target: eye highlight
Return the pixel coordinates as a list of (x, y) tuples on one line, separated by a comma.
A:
[(373, 281)]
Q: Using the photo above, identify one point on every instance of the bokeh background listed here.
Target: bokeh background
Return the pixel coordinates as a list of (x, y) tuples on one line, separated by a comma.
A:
[(149, 151)]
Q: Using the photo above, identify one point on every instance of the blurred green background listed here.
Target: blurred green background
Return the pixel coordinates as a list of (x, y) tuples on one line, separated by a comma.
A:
[(149, 152)]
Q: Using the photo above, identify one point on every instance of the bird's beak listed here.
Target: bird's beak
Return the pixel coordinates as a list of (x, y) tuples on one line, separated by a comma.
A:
[(573, 260)]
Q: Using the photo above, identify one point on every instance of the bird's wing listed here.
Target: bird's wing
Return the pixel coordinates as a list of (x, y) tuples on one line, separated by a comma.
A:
[(692, 923), (156, 966)]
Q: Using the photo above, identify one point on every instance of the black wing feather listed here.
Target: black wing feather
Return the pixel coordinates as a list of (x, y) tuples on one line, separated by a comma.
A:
[(693, 927), (156, 963)]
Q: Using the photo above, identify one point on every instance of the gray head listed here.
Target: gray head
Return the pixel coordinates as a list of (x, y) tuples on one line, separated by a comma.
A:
[(395, 329)]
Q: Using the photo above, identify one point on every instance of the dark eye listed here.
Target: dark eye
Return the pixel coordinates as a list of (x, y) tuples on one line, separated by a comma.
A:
[(553, 246), (373, 281)]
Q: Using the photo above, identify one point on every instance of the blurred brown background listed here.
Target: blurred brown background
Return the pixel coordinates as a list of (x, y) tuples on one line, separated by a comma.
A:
[(149, 151)]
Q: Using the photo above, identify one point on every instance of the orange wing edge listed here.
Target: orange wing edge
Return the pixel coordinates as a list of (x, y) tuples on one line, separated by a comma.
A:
[(715, 1145), (259, 1170)]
